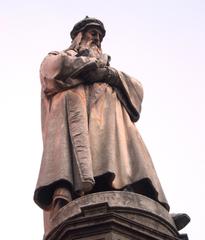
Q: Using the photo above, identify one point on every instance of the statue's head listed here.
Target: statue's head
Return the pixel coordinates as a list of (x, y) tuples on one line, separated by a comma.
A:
[(86, 24), (87, 35)]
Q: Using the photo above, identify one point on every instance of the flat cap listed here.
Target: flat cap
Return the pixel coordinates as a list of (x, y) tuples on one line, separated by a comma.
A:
[(85, 23)]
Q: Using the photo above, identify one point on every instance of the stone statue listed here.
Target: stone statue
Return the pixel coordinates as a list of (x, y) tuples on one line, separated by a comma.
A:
[(89, 111)]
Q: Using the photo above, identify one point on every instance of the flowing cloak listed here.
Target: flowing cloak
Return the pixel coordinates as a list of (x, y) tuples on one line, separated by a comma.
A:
[(89, 132)]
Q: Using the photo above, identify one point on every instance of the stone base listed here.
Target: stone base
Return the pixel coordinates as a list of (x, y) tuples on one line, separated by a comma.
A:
[(113, 215)]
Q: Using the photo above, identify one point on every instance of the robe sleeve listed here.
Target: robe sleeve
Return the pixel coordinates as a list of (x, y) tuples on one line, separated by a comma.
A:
[(130, 93), (60, 70)]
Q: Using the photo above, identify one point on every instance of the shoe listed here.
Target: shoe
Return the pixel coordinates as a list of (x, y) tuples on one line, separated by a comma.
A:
[(180, 220)]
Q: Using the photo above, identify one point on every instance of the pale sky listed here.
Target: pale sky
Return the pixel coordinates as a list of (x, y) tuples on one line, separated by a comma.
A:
[(160, 42)]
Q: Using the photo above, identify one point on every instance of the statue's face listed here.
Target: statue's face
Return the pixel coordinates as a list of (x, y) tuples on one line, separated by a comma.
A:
[(93, 35)]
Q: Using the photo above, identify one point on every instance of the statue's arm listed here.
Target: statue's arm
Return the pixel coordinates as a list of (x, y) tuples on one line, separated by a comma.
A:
[(128, 89), (60, 70)]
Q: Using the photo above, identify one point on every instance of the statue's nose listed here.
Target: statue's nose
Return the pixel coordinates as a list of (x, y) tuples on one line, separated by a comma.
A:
[(97, 37)]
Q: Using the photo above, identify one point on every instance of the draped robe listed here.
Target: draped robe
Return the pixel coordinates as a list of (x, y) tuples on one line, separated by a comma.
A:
[(89, 132)]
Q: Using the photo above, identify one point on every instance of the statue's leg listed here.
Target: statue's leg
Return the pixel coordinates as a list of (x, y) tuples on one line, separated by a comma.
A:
[(61, 197)]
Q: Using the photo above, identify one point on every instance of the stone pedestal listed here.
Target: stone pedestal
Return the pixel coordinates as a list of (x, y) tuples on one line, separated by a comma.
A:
[(113, 216)]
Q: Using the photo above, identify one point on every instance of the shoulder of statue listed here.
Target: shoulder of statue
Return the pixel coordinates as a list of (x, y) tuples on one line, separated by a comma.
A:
[(54, 53), (70, 53)]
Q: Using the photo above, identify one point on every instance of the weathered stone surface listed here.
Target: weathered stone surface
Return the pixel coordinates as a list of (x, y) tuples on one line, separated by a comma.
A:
[(113, 215), (92, 146)]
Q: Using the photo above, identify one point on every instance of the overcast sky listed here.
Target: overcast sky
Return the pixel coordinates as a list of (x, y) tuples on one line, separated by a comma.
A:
[(160, 42)]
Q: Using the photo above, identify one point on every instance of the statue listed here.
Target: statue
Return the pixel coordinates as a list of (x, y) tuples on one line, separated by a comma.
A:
[(89, 111)]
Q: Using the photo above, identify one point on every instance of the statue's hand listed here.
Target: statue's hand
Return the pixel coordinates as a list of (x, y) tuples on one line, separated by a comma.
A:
[(103, 61), (97, 75), (104, 74)]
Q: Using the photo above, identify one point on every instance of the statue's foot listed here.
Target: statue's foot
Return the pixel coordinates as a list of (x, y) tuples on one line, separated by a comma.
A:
[(180, 220), (61, 197), (59, 203)]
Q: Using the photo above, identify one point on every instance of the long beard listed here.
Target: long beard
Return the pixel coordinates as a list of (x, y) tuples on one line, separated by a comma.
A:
[(92, 49)]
